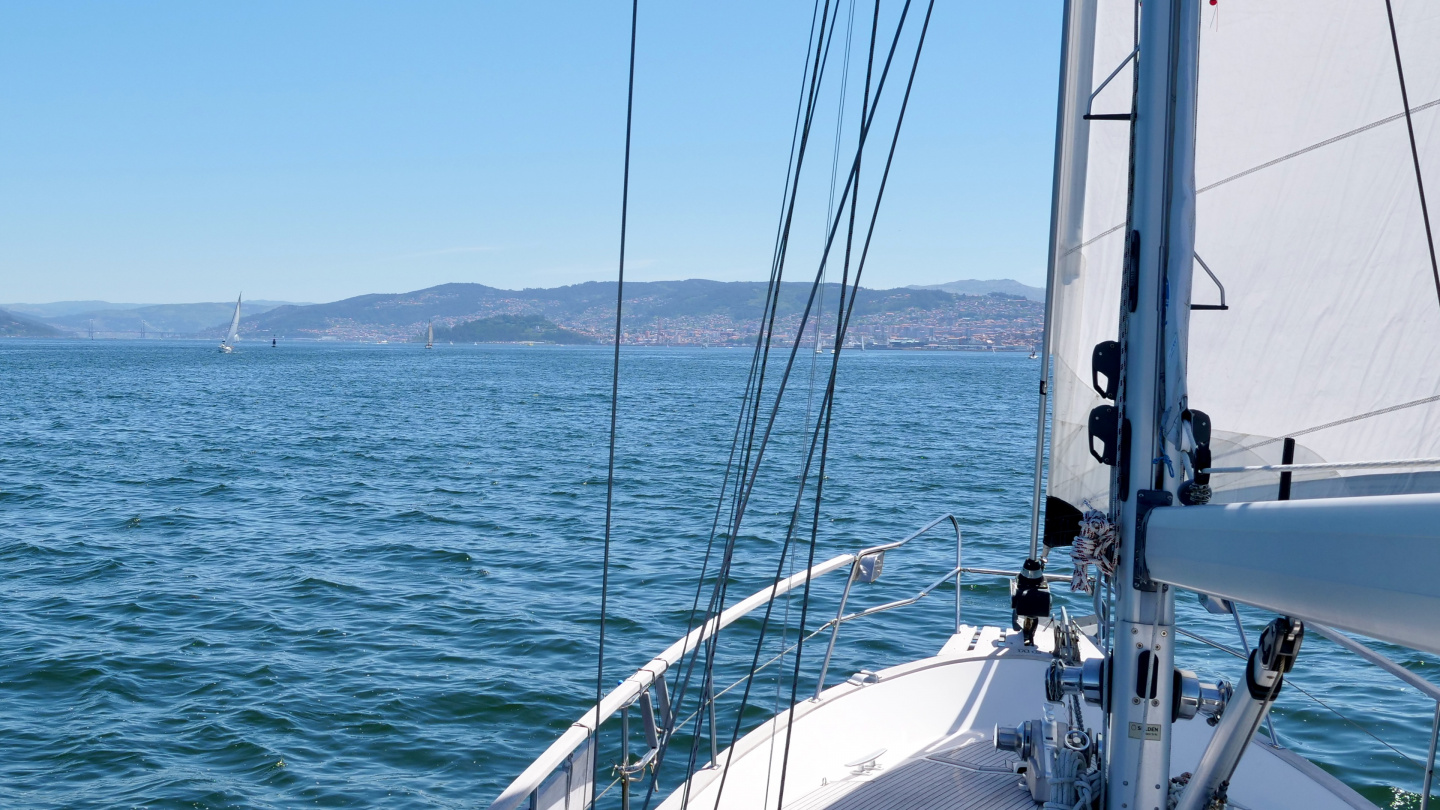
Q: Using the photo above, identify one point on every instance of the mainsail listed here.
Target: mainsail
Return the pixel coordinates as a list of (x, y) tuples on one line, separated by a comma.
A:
[(234, 333), (1307, 212)]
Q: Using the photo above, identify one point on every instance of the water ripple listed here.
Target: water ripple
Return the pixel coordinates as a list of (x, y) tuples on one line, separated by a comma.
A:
[(368, 576)]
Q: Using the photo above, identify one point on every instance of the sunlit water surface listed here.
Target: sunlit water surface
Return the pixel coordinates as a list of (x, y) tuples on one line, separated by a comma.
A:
[(353, 576)]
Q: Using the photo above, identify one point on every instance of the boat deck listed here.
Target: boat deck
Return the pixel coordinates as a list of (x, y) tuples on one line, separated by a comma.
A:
[(918, 736), (970, 776)]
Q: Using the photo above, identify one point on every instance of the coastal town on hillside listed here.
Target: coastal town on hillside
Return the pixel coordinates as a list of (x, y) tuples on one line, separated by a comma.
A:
[(689, 313), (997, 321), (974, 323), (1004, 330)]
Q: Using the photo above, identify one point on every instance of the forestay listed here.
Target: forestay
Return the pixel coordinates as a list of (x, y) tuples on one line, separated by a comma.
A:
[(1308, 212)]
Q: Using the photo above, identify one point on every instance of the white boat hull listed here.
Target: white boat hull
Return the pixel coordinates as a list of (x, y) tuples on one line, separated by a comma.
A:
[(931, 721)]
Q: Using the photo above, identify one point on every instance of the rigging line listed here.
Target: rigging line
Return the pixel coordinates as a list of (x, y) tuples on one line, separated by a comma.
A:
[(814, 360), (868, 121), (749, 679), (750, 414), (769, 608), (810, 301), (805, 316), (777, 269), (770, 292), (764, 341), (1338, 422), (784, 651), (750, 379), (754, 470), (1297, 153), (1414, 149), (830, 203), (865, 129), (722, 580), (1364, 730), (834, 367), (615, 386)]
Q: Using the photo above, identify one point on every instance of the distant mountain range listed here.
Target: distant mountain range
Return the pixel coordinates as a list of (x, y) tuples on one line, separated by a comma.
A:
[(584, 307), (133, 320), (1008, 286), (705, 310), (12, 325)]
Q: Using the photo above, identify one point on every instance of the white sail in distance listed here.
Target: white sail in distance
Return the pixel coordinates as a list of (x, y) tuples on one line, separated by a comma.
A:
[(234, 333), (1308, 212)]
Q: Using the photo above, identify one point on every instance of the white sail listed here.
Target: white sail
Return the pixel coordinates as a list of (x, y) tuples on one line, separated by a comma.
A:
[(1089, 254), (234, 333), (430, 335), (1308, 213)]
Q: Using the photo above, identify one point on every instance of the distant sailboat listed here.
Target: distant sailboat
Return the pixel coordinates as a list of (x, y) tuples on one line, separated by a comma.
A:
[(228, 344), (430, 335)]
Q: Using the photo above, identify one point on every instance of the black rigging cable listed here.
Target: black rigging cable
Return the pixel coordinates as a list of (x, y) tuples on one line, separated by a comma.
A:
[(750, 460), (1414, 150), (753, 453), (682, 682), (827, 406), (615, 388), (868, 120)]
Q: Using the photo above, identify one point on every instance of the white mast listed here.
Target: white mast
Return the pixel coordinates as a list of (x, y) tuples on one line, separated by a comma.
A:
[(1153, 325)]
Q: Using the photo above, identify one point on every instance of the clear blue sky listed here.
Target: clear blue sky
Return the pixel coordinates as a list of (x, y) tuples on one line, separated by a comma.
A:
[(182, 151)]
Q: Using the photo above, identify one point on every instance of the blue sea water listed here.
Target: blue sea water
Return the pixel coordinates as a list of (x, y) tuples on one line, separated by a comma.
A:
[(352, 576)]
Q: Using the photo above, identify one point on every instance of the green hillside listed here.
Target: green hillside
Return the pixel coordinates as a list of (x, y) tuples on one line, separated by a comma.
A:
[(509, 329), (590, 305)]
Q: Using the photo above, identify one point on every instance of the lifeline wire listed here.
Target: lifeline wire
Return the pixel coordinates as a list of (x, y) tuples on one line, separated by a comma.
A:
[(615, 387), (1414, 150)]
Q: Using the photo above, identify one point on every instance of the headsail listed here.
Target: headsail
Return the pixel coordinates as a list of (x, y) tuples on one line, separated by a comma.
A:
[(234, 333), (1308, 213)]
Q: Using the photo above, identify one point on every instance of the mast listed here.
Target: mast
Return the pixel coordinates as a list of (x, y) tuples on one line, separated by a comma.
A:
[(1067, 201), (1160, 247)]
